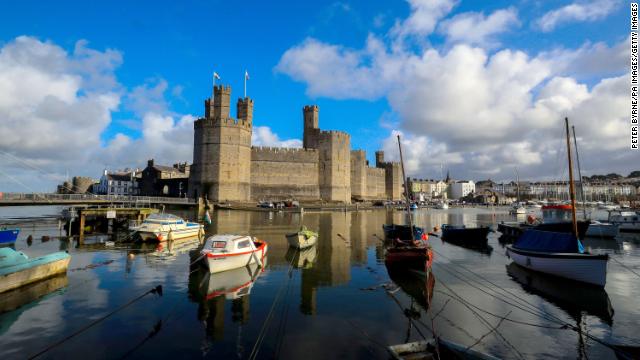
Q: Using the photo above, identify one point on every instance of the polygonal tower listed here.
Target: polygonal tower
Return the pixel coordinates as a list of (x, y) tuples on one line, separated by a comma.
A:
[(311, 126), (221, 168)]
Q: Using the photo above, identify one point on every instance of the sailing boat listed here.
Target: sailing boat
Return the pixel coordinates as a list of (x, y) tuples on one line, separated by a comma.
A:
[(518, 209), (410, 251), (560, 254)]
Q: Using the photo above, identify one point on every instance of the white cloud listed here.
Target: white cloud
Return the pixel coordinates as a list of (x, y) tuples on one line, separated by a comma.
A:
[(264, 136), (575, 12), (482, 112), (424, 16), (476, 28)]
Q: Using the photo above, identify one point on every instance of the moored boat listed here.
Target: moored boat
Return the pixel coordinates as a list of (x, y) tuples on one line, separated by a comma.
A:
[(160, 227), (602, 229), (226, 252), (303, 238), (402, 232), (402, 256), (466, 236), (17, 269), (626, 220), (8, 235), (558, 254), (427, 349)]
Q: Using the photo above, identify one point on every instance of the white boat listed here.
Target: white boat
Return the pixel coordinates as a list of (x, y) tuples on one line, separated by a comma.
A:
[(558, 254), (626, 220), (303, 238), (519, 210), (158, 227), (226, 252), (602, 229)]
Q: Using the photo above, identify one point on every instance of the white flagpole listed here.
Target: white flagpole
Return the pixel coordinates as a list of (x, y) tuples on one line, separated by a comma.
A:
[(213, 89), (245, 83)]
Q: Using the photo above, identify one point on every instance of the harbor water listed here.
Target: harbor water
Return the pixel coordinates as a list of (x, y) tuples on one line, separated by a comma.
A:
[(335, 300)]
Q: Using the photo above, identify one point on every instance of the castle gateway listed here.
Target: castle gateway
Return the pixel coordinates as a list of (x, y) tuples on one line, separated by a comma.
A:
[(227, 168)]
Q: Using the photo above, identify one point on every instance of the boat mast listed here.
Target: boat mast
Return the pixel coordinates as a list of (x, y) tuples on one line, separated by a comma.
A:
[(517, 187), (572, 192), (575, 144), (406, 192)]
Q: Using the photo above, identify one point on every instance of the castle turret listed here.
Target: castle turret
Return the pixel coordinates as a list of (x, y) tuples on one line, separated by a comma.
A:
[(379, 158), (221, 167), (311, 126), (221, 101), (245, 110)]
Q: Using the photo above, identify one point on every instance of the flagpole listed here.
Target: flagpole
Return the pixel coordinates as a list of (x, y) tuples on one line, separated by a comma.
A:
[(213, 89), (245, 83)]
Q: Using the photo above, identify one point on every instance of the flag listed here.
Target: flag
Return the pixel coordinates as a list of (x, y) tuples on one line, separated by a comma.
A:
[(246, 75), (215, 75), (207, 217)]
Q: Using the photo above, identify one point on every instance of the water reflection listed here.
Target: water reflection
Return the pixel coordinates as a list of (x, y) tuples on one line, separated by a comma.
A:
[(573, 297)]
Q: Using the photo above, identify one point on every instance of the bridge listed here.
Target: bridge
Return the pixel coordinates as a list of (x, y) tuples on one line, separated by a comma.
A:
[(13, 199)]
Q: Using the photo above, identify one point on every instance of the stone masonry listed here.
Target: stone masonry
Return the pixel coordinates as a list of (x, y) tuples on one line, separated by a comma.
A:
[(227, 168)]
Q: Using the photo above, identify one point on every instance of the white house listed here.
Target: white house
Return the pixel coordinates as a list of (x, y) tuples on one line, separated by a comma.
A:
[(118, 183), (460, 189)]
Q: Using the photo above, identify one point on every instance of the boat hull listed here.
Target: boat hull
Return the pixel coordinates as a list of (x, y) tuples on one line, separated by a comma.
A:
[(9, 236), (408, 257), (586, 268), (155, 236), (15, 276), (602, 230), (223, 262), (471, 237), (515, 230), (299, 241)]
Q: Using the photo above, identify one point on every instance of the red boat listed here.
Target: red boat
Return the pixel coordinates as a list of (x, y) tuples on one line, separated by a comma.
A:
[(408, 256)]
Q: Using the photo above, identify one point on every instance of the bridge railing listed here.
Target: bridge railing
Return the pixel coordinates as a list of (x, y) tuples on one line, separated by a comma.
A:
[(44, 197)]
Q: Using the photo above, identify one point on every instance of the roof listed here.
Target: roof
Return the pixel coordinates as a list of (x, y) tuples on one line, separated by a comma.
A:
[(171, 169), (119, 176)]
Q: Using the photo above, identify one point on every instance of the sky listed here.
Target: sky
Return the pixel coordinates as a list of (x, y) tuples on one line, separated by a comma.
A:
[(475, 87)]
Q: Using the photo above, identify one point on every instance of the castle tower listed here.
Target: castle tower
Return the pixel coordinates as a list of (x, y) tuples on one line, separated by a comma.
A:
[(334, 169), (379, 158), (358, 174), (221, 168), (245, 110), (311, 126)]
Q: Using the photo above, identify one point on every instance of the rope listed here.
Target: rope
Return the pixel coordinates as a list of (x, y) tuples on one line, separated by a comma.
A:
[(625, 266), (155, 290)]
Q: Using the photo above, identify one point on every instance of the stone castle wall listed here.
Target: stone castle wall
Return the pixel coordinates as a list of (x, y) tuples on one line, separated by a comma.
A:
[(376, 189), (358, 175), (283, 174), (334, 166)]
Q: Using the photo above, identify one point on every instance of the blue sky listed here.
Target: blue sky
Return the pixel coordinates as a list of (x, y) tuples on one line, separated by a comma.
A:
[(181, 43)]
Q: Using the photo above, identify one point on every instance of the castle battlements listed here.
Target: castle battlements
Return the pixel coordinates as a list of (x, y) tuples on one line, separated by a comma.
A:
[(227, 168)]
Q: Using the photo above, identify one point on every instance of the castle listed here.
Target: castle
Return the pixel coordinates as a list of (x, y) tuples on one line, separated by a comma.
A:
[(227, 168)]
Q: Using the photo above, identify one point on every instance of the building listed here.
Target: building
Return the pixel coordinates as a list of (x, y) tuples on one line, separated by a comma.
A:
[(426, 189), (227, 168), (462, 188), (160, 180), (118, 183)]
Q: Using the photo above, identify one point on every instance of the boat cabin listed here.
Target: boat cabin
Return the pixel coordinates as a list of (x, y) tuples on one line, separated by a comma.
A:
[(164, 219), (556, 213), (222, 244)]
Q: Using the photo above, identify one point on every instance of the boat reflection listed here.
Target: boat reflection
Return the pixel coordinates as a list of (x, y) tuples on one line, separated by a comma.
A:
[(17, 301), (483, 249), (416, 284), (302, 259), (572, 297)]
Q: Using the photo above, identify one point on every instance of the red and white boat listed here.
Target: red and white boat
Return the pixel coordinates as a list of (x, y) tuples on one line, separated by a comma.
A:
[(226, 252)]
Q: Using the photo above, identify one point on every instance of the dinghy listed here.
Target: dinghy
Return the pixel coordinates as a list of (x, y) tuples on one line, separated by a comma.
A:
[(474, 237), (8, 235), (158, 227), (17, 269), (303, 238), (427, 349), (226, 252)]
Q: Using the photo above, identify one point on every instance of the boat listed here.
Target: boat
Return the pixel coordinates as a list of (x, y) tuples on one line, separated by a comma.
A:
[(427, 349), (225, 252), (17, 269), (414, 206), (558, 254), (160, 227), (556, 218), (518, 210), (602, 229), (628, 221), (466, 236), (394, 231), (408, 257), (303, 238), (8, 235)]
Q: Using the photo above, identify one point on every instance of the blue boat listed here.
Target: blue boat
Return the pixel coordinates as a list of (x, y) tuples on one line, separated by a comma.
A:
[(8, 236), (402, 232), (17, 269)]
